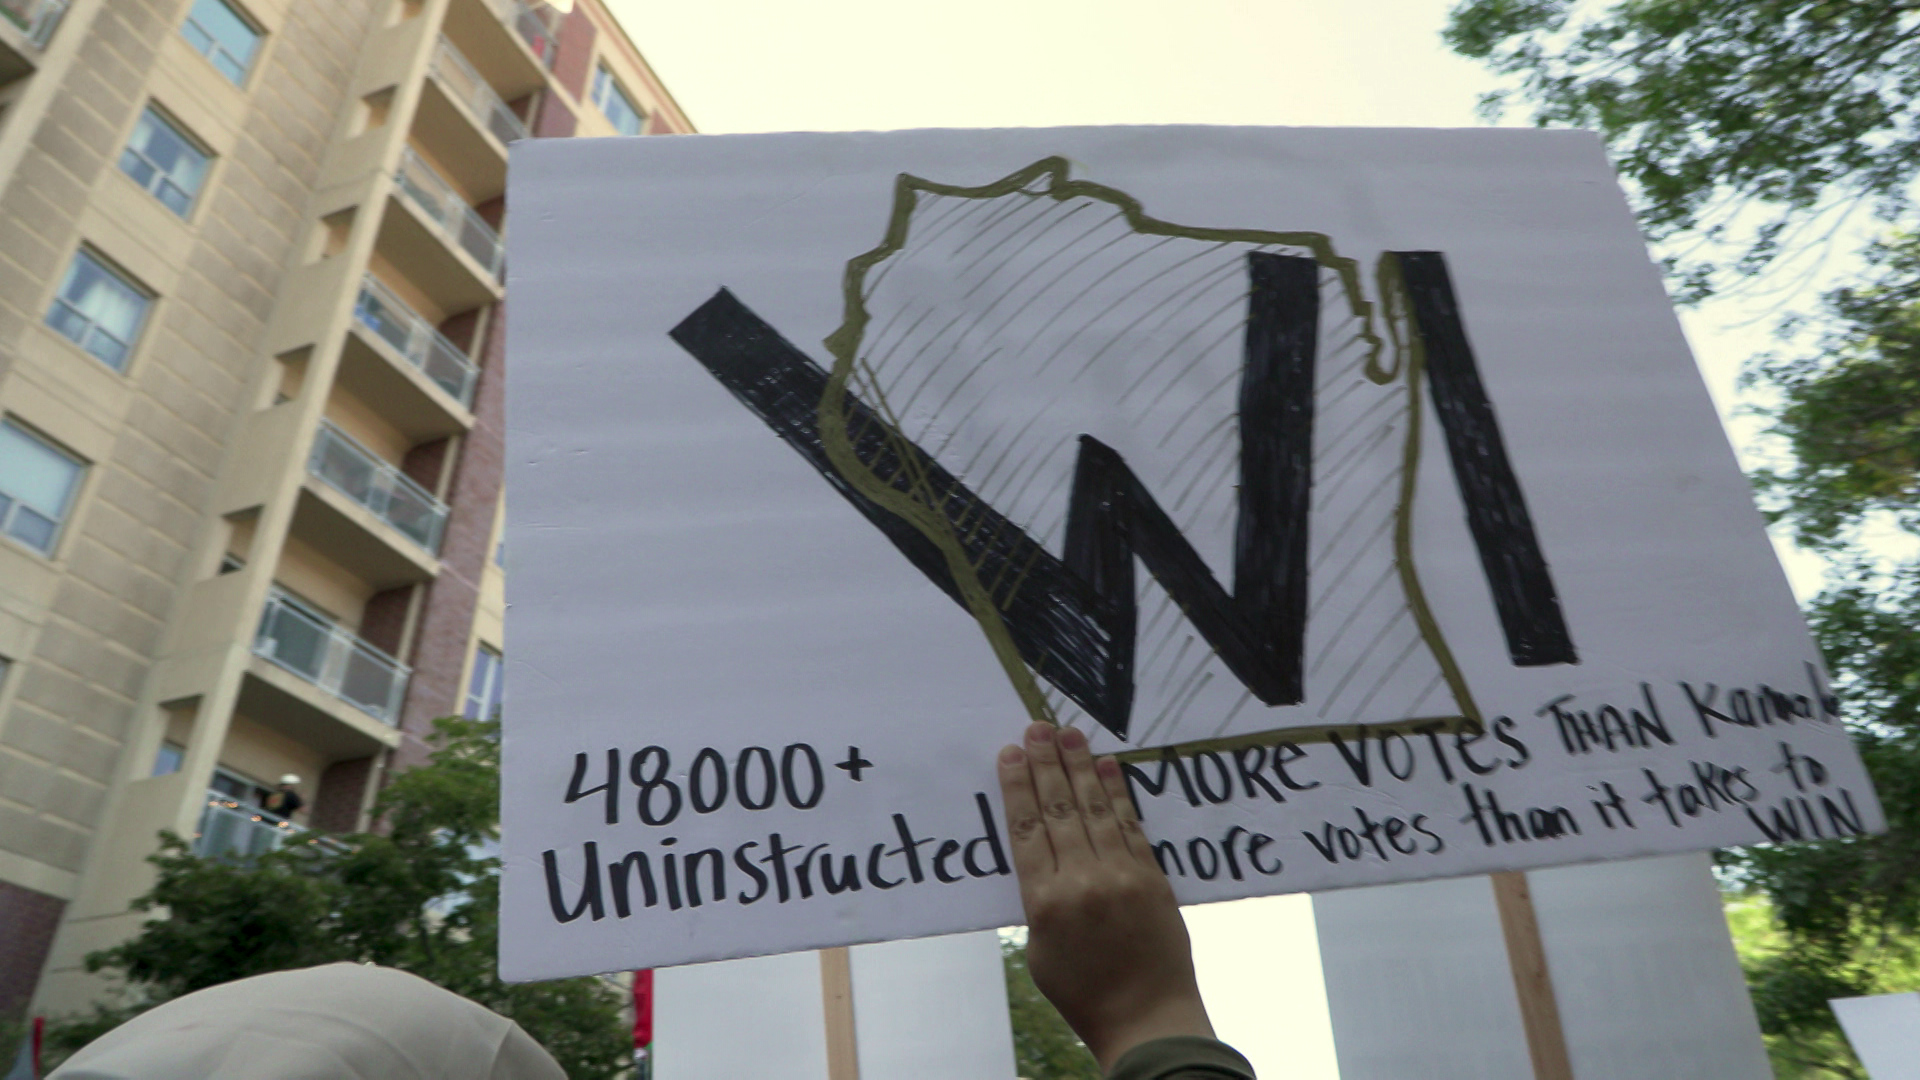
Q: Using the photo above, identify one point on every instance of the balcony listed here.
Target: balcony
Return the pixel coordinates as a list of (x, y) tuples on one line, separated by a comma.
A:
[(388, 493), (428, 193), (389, 318), (25, 28), (511, 43), (35, 18), (461, 124), (335, 660), (464, 85), (230, 829), (540, 29), (432, 239)]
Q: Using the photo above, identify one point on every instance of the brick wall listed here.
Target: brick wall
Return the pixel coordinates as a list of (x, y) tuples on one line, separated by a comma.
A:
[(27, 922), (575, 57), (556, 121), (425, 463), (446, 624), (336, 804), (383, 622)]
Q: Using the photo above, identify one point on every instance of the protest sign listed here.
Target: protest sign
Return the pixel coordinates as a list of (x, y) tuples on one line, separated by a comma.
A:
[(1356, 486)]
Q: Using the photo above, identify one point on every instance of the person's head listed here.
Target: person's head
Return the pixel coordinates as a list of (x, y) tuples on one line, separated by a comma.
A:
[(336, 1022), (289, 781)]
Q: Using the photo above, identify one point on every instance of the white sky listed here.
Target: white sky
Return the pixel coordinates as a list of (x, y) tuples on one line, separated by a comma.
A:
[(840, 65)]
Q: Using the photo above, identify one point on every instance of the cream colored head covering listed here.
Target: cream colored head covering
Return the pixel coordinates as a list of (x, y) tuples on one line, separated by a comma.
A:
[(337, 1022)]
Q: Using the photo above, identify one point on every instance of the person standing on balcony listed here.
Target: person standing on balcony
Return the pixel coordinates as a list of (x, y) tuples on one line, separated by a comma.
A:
[(282, 801)]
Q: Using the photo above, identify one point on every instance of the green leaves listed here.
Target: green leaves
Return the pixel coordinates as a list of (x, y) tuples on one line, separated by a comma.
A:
[(1713, 107), (1845, 915), (1760, 119), (1044, 1047), (420, 893), (229, 921), (1850, 411)]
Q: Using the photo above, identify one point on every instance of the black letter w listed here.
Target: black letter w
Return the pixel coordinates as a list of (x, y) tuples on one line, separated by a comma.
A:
[(1072, 617)]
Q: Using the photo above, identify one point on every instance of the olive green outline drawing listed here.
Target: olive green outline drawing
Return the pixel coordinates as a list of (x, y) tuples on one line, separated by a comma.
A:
[(918, 505)]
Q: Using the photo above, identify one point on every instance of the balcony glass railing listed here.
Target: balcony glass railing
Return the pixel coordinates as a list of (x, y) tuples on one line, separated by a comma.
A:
[(467, 87), (393, 497), (389, 318), (37, 18), (434, 197), (539, 28), (232, 828), (331, 658)]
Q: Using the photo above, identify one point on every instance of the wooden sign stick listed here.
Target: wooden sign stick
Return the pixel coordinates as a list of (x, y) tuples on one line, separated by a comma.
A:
[(1532, 983), (836, 989)]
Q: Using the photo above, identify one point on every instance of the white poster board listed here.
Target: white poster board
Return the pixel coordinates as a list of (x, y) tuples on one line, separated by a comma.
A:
[(1646, 979), (1884, 1031), (929, 1009), (1368, 468)]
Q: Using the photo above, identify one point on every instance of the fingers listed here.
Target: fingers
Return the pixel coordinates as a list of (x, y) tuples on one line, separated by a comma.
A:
[(1058, 809), (1096, 808), (1032, 854), (1125, 819)]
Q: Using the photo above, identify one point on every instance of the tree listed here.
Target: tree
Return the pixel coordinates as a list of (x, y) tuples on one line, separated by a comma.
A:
[(1718, 113), (1714, 108), (1845, 915), (1849, 415), (1044, 1047), (1849, 412), (1807, 1053), (421, 896)]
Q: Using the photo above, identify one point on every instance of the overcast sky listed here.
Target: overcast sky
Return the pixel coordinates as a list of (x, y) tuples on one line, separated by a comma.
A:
[(840, 65), (760, 65)]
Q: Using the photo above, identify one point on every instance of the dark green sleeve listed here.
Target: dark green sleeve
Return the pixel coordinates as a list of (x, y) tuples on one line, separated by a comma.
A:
[(1182, 1057)]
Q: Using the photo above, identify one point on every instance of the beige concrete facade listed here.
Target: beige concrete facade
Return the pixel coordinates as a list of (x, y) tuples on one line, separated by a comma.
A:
[(279, 552)]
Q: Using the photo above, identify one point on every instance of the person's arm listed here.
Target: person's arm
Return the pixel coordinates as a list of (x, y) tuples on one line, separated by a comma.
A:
[(1105, 940)]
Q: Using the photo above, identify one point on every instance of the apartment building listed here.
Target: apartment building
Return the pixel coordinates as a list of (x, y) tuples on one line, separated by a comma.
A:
[(251, 347)]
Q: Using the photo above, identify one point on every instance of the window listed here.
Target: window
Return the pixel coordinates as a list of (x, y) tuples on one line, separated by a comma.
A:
[(37, 483), (222, 36), (99, 309), (169, 759), (614, 103), (483, 691), (163, 160), (238, 788)]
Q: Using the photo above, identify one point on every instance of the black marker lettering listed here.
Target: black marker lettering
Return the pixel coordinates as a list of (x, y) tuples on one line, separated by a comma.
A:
[(617, 875), (910, 847), (1510, 553), (1254, 844), (611, 785), (849, 874), (1251, 773), (745, 864), (874, 855), (947, 849), (589, 886), (692, 869), (991, 838)]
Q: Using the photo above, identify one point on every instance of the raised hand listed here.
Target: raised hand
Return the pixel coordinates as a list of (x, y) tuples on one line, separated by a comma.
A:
[(1105, 940)]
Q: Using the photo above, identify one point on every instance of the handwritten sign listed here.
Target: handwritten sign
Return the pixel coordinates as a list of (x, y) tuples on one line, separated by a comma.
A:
[(1355, 486)]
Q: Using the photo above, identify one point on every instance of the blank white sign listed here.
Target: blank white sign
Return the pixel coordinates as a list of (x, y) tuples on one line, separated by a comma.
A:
[(1885, 1032)]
